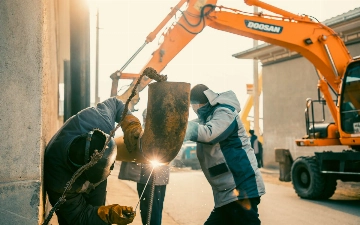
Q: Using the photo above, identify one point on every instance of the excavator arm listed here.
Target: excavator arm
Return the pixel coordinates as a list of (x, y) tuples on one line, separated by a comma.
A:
[(315, 41)]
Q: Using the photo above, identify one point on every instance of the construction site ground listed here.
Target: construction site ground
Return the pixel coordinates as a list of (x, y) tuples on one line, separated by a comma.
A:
[(124, 192)]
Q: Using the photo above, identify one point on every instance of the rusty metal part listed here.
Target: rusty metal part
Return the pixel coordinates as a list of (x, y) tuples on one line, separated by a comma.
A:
[(152, 74), (166, 120)]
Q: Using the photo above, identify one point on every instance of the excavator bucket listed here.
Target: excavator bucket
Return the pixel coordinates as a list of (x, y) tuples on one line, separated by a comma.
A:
[(166, 122)]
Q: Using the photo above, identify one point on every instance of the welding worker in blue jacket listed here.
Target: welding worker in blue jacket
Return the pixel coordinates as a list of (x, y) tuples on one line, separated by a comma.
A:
[(226, 157), (71, 148)]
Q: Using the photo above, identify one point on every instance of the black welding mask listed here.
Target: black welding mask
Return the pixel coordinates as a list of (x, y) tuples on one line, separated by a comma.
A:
[(91, 141)]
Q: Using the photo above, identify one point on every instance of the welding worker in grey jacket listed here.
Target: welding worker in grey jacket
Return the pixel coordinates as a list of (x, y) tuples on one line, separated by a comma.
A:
[(226, 157), (71, 148)]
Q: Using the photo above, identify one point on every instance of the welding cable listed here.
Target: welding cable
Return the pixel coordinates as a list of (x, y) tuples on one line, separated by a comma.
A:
[(151, 198)]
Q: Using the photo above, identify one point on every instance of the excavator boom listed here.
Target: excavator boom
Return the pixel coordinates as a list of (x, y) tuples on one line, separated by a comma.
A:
[(313, 40)]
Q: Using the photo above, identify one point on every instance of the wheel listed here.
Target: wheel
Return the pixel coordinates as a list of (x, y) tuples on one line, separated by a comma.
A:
[(330, 187), (308, 182)]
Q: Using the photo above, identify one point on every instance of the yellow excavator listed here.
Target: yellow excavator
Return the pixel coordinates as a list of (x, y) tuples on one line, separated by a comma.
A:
[(339, 75)]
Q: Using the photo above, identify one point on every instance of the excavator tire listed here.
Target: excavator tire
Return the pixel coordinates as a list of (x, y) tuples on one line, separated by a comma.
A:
[(330, 187), (308, 182)]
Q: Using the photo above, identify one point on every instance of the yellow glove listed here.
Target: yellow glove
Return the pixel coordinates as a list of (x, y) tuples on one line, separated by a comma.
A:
[(132, 129), (116, 214)]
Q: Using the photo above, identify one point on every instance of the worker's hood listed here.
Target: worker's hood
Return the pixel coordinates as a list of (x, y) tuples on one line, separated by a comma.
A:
[(98, 172), (227, 98)]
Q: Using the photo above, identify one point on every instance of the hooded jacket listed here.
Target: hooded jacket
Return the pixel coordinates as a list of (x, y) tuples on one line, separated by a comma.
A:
[(80, 207), (224, 150)]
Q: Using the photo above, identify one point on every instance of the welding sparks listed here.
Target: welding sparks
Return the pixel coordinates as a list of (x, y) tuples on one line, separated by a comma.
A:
[(155, 163)]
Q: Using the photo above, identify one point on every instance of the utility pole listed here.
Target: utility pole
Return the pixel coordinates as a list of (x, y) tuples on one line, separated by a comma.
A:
[(97, 99), (256, 87)]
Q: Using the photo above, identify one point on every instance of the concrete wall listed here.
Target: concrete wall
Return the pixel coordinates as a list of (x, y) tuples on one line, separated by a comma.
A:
[(354, 49), (286, 85), (29, 105)]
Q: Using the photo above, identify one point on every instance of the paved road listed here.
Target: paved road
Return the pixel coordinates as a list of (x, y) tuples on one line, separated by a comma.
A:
[(189, 201), (281, 206)]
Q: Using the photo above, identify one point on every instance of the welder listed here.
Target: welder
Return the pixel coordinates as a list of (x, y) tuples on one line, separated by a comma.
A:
[(71, 148)]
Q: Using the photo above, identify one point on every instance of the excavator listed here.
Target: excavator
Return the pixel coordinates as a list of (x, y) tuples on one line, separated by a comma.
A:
[(313, 177)]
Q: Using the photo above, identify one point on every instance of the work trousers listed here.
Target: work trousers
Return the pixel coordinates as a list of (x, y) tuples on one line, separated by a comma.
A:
[(157, 206), (241, 212)]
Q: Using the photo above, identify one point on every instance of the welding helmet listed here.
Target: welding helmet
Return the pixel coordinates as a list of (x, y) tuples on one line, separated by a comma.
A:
[(91, 141)]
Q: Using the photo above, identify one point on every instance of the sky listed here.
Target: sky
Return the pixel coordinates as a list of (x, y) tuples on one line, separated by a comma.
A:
[(124, 25)]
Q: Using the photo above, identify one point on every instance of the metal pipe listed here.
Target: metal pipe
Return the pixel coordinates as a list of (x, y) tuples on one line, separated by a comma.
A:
[(166, 122), (274, 9), (256, 88), (132, 57), (331, 60), (97, 99)]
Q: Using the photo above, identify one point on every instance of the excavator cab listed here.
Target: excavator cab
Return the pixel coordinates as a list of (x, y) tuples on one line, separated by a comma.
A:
[(323, 133), (350, 100), (319, 128)]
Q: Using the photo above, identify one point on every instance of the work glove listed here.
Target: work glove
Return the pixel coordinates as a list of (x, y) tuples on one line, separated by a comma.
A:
[(116, 214), (132, 129)]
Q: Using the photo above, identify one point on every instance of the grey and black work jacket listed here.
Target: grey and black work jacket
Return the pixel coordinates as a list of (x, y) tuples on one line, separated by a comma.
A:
[(81, 202), (224, 150)]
